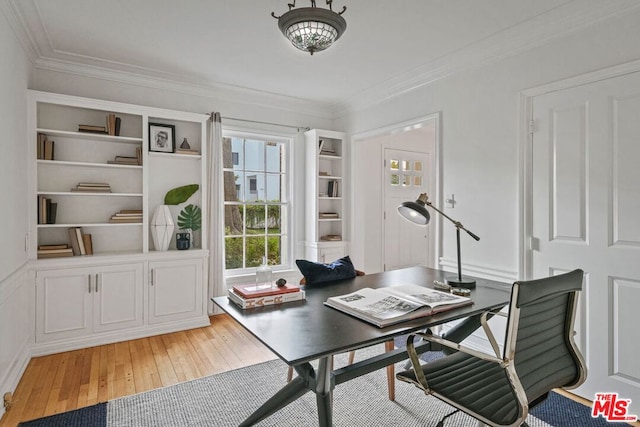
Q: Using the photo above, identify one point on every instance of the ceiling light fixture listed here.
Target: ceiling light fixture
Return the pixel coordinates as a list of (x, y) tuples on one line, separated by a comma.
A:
[(312, 29)]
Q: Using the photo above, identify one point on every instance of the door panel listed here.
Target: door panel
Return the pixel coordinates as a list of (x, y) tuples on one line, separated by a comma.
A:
[(118, 297), (406, 176), (586, 214)]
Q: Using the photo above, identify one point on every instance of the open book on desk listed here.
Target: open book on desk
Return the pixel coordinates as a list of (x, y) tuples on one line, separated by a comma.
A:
[(395, 304)]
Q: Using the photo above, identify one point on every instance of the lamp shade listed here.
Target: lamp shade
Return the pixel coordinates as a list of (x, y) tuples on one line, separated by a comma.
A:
[(415, 212), (311, 29)]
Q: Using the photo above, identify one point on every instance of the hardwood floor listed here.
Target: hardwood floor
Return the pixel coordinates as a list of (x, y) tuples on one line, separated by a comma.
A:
[(74, 379)]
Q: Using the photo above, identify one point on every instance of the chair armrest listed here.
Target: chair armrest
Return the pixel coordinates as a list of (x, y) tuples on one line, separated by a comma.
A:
[(489, 333), (455, 346)]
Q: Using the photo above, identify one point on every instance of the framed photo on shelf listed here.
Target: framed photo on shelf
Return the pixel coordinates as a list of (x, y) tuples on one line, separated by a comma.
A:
[(162, 137)]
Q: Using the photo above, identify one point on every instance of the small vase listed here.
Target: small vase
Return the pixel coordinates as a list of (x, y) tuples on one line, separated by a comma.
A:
[(162, 228), (263, 274), (183, 241)]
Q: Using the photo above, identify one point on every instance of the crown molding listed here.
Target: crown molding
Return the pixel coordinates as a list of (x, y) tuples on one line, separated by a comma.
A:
[(556, 23), (14, 18), (218, 92)]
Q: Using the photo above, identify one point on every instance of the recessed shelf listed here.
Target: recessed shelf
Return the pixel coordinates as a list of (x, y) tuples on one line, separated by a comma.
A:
[(99, 224), (90, 136), (175, 156), (87, 193), (90, 164)]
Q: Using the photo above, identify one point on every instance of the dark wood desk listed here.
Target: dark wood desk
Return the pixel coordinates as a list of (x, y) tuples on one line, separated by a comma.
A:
[(302, 331)]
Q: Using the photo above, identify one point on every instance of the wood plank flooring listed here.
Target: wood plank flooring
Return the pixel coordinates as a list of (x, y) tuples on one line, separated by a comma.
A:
[(74, 379)]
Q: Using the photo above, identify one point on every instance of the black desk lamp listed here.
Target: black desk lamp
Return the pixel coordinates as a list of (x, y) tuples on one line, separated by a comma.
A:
[(417, 213)]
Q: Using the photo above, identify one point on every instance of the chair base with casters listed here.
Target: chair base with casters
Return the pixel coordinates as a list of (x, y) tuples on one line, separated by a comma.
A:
[(391, 386), (539, 355)]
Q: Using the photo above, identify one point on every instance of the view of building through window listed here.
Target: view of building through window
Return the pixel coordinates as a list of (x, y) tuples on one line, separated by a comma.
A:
[(256, 202)]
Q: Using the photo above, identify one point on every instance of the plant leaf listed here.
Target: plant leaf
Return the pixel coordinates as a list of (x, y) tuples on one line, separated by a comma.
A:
[(180, 194), (190, 217)]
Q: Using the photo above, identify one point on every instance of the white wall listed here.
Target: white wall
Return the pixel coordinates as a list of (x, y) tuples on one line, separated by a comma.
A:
[(15, 300), (480, 158)]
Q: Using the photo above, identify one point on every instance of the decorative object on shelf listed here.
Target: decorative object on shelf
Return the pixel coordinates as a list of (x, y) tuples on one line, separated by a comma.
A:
[(185, 144), (281, 282), (183, 241), (162, 224), (162, 137), (312, 29), (162, 228), (417, 213), (190, 220), (263, 274), (179, 195)]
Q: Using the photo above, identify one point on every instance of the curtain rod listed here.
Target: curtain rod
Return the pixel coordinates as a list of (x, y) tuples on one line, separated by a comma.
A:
[(305, 128)]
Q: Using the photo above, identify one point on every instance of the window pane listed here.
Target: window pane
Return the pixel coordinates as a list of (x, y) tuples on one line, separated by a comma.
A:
[(233, 186), (417, 181), (274, 189), (275, 157), (417, 166), (406, 165), (395, 179), (406, 180), (233, 215), (274, 219), (273, 250), (255, 219), (233, 253), (394, 165), (255, 250), (254, 155)]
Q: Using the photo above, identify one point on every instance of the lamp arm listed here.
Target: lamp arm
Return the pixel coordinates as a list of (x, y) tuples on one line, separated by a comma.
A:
[(458, 224)]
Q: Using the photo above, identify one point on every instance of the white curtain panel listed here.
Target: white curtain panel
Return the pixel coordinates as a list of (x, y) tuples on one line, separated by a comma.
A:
[(215, 203)]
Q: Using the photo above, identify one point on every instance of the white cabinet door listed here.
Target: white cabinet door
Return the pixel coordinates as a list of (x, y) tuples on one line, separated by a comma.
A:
[(64, 302), (118, 297), (176, 290), (76, 302)]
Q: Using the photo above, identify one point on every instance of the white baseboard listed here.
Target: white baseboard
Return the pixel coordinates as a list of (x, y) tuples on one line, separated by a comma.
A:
[(58, 346)]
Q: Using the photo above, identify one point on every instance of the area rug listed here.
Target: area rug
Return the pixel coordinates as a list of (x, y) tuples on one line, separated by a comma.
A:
[(226, 399)]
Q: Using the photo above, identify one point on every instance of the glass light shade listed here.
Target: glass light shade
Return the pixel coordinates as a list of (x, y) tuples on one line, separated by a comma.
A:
[(312, 29), (311, 36)]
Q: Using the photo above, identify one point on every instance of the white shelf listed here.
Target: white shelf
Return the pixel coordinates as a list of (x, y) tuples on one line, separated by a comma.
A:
[(87, 193), (329, 157), (89, 164), (90, 136), (100, 224), (329, 177), (175, 156)]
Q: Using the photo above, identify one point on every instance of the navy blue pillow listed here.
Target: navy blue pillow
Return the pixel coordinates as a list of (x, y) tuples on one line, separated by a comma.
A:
[(316, 272)]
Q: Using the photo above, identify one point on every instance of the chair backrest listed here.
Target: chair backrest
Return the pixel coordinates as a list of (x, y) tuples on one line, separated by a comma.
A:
[(540, 332)]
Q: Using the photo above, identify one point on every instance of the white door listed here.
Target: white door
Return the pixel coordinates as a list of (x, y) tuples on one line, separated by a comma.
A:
[(586, 214), (406, 175)]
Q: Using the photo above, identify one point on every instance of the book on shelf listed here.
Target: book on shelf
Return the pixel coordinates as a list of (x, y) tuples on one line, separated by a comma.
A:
[(387, 306), (186, 151), (80, 240), (53, 247), (47, 210), (92, 129), (126, 216), (246, 303), (88, 243), (93, 187), (73, 239), (328, 215), (48, 149), (332, 188), (55, 253), (139, 155), (264, 289), (41, 142), (331, 237)]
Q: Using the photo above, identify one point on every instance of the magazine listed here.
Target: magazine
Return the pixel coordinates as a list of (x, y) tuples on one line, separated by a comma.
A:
[(387, 306), (245, 303)]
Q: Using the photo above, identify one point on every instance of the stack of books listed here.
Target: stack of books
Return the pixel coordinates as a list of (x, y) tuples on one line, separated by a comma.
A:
[(331, 238), (81, 243), (128, 160), (252, 296), (93, 187), (332, 188), (112, 127), (126, 216), (54, 251)]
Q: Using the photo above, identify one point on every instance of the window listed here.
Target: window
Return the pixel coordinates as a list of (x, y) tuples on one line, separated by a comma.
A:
[(256, 203)]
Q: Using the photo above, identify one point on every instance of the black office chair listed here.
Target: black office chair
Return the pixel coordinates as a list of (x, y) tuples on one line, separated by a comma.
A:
[(539, 355)]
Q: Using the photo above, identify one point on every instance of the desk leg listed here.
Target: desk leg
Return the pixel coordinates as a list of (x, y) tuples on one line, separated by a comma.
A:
[(324, 392), (287, 394), (391, 378)]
